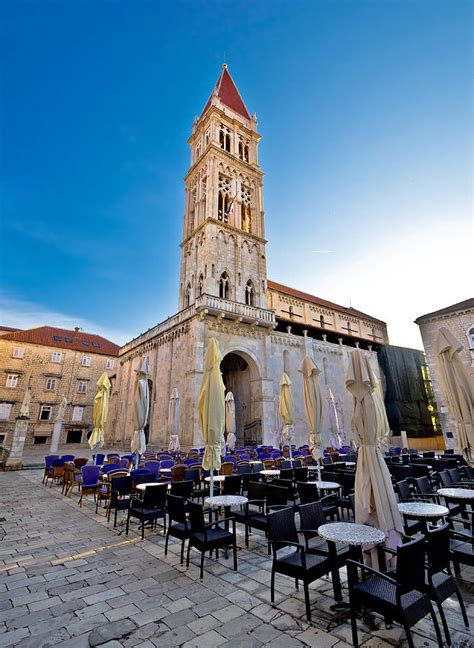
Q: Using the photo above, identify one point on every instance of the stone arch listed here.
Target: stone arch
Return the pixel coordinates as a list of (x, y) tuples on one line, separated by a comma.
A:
[(249, 357)]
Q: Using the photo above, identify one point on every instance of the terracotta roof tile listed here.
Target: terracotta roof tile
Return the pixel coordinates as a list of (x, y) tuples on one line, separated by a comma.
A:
[(227, 92), (467, 303), (80, 341), (278, 287)]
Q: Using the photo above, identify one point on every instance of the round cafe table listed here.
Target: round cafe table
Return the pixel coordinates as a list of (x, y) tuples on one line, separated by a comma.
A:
[(326, 485), (270, 472), (423, 511), (226, 501), (142, 487), (358, 537), (464, 494), (165, 471), (217, 479)]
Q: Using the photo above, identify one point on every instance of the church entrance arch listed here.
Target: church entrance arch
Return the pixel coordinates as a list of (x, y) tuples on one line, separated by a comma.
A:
[(241, 376)]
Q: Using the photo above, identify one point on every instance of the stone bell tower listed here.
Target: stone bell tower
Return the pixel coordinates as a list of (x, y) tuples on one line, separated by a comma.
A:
[(223, 247)]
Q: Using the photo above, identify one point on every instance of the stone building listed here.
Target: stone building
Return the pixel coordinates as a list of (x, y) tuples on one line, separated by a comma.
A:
[(57, 364), (459, 319), (263, 328)]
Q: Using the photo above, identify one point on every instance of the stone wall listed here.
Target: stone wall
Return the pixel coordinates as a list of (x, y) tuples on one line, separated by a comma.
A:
[(459, 323)]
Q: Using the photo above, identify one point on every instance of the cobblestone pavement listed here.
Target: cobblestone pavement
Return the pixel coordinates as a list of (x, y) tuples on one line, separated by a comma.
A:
[(68, 579)]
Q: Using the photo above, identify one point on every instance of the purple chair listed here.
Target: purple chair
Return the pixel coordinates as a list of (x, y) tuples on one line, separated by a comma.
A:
[(90, 481), (111, 468), (48, 462), (124, 462), (68, 457), (99, 459), (130, 457), (167, 463), (244, 457), (55, 471)]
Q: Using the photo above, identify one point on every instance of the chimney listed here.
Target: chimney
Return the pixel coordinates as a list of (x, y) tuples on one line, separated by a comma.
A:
[(76, 329)]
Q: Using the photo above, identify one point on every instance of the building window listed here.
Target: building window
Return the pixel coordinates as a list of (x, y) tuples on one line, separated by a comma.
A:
[(207, 137), (85, 342), (68, 340), (77, 413), (471, 338), (249, 293), (243, 150), (86, 361), (56, 357), (46, 412), (110, 363), (224, 286), (12, 381), (18, 352), (246, 209), (321, 321), (5, 411), (51, 384), (57, 338), (81, 386), (40, 440), (96, 344)]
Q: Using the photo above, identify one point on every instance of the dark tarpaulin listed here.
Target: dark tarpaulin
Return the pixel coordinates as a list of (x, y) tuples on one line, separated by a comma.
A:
[(407, 393)]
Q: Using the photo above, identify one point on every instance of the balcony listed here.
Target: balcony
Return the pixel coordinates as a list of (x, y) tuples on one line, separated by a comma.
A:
[(228, 309)]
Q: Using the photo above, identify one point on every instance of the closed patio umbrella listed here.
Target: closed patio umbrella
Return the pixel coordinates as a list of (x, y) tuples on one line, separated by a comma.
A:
[(100, 411), (287, 409), (278, 421), (141, 409), (457, 389), (230, 421), (211, 409), (336, 440), (382, 423), (375, 500), (313, 405), (173, 421)]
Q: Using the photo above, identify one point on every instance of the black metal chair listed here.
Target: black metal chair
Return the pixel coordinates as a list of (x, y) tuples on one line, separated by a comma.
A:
[(254, 506), (178, 524), (461, 545), (458, 480), (440, 579), (301, 474), (286, 473), (299, 564), (194, 475), (401, 596), (120, 496), (149, 509), (182, 488), (209, 537), (276, 498), (309, 493), (311, 518), (232, 485)]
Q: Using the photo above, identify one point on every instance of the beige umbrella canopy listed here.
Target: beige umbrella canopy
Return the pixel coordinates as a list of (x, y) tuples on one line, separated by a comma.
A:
[(211, 408), (375, 500), (173, 421), (313, 405), (141, 408), (230, 421), (100, 411), (457, 389), (287, 408), (383, 425)]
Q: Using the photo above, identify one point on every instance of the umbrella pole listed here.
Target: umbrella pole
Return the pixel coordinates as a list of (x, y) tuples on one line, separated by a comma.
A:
[(211, 487)]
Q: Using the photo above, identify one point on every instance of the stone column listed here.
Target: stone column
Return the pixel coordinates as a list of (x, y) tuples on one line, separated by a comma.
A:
[(14, 459)]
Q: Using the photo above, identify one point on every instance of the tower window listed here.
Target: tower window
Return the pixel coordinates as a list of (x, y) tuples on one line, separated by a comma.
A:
[(321, 320), (224, 286), (249, 293), (187, 296), (243, 149), (224, 138), (246, 213)]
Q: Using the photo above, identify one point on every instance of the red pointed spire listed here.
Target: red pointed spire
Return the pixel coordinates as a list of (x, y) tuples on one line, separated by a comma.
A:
[(227, 92)]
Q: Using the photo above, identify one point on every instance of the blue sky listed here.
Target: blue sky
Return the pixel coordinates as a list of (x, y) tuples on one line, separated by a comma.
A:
[(366, 113)]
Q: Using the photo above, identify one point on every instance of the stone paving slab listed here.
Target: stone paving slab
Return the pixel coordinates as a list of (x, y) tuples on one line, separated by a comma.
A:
[(69, 579)]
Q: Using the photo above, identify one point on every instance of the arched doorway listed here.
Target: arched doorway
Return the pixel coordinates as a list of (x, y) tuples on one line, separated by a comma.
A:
[(240, 378)]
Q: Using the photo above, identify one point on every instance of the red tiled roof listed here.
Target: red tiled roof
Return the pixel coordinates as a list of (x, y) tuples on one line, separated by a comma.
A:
[(227, 92), (467, 303), (81, 341), (273, 285), (8, 329)]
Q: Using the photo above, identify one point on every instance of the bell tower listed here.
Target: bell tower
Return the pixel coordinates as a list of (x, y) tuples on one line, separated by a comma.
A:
[(223, 246)]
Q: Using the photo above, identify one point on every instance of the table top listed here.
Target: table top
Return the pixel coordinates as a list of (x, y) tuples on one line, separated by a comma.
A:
[(318, 468), (270, 473), (165, 470), (457, 493), (254, 461), (422, 509), (217, 478), (143, 487), (352, 534), (329, 485), (226, 500)]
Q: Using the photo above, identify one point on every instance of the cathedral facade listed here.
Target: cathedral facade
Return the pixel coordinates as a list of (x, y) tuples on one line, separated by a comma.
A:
[(263, 328)]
